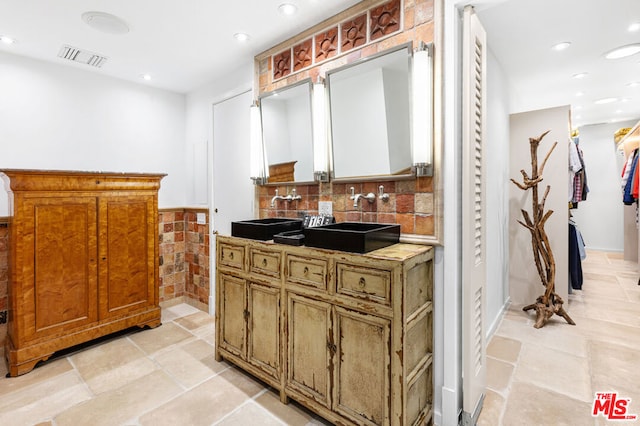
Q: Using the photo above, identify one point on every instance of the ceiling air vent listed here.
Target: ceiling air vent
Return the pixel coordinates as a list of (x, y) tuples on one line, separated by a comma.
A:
[(82, 56)]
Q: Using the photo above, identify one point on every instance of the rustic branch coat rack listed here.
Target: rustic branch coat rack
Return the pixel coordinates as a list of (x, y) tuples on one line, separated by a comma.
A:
[(550, 302)]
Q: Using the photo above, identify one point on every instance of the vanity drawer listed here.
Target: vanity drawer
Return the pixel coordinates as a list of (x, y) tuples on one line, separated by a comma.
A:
[(309, 272), (231, 255), (264, 262), (364, 283)]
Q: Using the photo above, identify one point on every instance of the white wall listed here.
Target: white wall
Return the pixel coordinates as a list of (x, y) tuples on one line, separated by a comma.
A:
[(599, 218), (524, 282), (61, 117), (497, 202), (199, 130)]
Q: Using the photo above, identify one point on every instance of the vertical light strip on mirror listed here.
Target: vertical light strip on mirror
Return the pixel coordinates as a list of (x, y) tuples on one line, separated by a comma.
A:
[(320, 143), (259, 168), (421, 142)]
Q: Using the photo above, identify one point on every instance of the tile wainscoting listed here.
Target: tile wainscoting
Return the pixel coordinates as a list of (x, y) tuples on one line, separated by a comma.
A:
[(410, 204), (183, 257)]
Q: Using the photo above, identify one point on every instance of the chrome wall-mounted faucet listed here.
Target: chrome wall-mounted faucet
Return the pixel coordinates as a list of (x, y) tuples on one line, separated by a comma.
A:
[(381, 194), (370, 197), (293, 196)]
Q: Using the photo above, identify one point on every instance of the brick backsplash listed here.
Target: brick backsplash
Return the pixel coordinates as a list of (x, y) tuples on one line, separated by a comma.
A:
[(410, 203)]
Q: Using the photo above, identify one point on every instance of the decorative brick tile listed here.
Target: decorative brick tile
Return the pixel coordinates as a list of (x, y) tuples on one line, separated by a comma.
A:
[(326, 44), (282, 64), (424, 224), (384, 20), (354, 33), (405, 203), (303, 55)]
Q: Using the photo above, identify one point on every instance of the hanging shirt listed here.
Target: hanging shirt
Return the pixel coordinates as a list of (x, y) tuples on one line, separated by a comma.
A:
[(627, 197), (574, 166)]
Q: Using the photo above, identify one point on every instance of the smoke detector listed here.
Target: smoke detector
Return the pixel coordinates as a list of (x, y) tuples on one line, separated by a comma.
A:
[(105, 22), (81, 56)]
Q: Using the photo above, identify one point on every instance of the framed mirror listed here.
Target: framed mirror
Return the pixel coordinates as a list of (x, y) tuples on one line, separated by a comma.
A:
[(370, 110), (287, 133)]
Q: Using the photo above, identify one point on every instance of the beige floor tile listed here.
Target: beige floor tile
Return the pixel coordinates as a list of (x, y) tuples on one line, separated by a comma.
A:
[(40, 374), (43, 400), (204, 405), (500, 377), (196, 320), (181, 310), (615, 368), (162, 337), (504, 348), (608, 332), (556, 371), (112, 365), (183, 367), (242, 381), (119, 406), (617, 311), (250, 414), (291, 414), (556, 334), (530, 405), (492, 409)]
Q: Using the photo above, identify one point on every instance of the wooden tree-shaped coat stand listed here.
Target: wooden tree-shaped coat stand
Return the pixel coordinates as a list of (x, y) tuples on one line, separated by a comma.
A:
[(549, 303)]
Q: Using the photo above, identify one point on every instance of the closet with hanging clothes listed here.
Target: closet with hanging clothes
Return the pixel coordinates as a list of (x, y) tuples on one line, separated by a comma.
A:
[(630, 175)]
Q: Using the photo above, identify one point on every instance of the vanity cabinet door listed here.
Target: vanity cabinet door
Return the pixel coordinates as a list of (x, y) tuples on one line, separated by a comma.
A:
[(310, 349), (363, 367), (233, 311), (263, 321)]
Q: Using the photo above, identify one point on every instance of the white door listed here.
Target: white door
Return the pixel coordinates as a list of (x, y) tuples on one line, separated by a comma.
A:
[(233, 191), (473, 215)]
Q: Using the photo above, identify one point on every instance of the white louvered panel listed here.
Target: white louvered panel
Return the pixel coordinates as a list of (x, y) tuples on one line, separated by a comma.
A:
[(473, 216)]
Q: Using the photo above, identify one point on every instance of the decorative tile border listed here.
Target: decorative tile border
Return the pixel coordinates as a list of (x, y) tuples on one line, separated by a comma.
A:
[(357, 31)]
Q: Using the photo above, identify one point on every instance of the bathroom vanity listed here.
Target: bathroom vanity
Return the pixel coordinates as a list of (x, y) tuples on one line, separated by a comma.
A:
[(347, 335)]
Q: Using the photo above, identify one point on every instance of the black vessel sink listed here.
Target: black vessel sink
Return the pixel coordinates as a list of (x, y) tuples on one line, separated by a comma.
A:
[(356, 237), (264, 229)]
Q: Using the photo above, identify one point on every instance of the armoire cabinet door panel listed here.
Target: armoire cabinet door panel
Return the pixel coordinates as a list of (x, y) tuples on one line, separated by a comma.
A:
[(363, 367), (127, 254), (61, 280), (310, 348), (233, 331), (264, 328)]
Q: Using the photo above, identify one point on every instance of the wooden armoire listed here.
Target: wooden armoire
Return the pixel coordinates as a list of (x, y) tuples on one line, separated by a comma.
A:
[(83, 259)]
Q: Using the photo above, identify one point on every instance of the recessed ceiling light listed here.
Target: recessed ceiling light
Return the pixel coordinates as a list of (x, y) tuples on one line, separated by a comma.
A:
[(145, 77), (578, 117), (242, 36), (561, 46), (605, 101), (287, 9), (105, 22), (618, 111), (7, 39), (623, 51), (634, 27), (580, 75), (633, 84), (579, 94)]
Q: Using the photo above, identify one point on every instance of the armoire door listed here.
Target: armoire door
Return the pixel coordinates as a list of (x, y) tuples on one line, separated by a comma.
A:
[(58, 273), (126, 254)]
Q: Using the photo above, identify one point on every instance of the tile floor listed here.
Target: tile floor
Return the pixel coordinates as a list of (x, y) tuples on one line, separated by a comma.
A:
[(164, 376), (550, 376), (168, 376)]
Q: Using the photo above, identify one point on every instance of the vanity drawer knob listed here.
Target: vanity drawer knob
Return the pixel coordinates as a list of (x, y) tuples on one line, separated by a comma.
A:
[(305, 271), (264, 261), (231, 255), (362, 282)]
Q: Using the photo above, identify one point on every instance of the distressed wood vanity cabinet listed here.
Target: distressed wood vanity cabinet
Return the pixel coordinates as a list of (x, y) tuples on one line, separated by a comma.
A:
[(83, 259), (347, 335)]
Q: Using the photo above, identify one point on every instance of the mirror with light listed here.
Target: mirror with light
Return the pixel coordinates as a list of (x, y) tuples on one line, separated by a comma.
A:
[(287, 133), (370, 116)]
